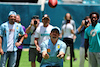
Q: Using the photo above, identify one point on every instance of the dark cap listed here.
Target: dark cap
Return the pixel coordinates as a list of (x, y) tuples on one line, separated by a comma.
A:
[(35, 17), (45, 16)]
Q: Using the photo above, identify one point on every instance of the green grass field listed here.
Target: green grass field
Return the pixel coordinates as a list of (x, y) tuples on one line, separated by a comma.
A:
[(24, 62)]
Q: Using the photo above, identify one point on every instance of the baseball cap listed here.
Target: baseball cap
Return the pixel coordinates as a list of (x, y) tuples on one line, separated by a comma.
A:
[(56, 28), (35, 17), (45, 16), (12, 12)]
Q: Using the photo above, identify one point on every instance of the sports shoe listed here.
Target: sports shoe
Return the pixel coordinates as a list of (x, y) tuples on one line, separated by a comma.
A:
[(75, 59), (68, 58)]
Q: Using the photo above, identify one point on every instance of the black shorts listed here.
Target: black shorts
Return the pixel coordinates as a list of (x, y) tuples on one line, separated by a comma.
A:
[(33, 53)]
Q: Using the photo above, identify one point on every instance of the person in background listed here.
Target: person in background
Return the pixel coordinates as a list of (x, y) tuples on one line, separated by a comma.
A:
[(19, 51), (53, 50), (92, 40), (42, 33), (8, 40), (35, 22), (68, 18), (80, 30)]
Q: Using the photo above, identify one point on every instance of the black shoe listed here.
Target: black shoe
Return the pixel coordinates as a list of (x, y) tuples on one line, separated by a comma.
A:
[(75, 59)]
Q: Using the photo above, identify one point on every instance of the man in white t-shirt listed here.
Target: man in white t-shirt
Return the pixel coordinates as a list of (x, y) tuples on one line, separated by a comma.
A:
[(42, 33), (35, 22), (8, 45)]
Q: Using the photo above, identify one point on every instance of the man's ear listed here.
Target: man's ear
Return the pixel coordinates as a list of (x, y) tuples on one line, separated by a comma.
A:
[(42, 20), (59, 34)]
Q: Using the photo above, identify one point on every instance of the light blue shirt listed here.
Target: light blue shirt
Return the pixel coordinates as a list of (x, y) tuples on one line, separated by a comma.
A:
[(93, 34), (4, 32), (54, 50)]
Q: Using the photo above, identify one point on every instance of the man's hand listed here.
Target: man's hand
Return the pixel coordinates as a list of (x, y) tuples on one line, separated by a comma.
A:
[(61, 55), (32, 23), (38, 48), (17, 44), (83, 22), (25, 36), (1, 51), (86, 56), (74, 37), (45, 55)]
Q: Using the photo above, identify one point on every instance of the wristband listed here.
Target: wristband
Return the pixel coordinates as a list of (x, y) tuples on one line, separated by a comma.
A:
[(29, 25), (20, 42)]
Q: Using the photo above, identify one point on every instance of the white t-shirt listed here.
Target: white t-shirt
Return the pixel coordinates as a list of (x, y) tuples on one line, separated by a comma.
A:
[(67, 30), (43, 33), (10, 44), (71, 22), (32, 36)]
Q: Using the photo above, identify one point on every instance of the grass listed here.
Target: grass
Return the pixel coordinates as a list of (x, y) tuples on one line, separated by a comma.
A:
[(24, 62)]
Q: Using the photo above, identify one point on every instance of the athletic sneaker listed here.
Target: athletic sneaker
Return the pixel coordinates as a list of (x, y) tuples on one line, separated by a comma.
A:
[(68, 58), (75, 59)]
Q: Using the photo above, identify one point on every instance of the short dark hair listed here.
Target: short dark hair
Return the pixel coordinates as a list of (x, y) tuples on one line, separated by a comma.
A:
[(35, 17), (86, 17), (94, 13)]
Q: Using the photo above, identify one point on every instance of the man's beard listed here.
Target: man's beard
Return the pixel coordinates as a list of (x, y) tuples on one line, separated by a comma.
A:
[(12, 21), (94, 23)]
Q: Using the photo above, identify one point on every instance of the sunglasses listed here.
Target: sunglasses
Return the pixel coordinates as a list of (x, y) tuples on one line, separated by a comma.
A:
[(35, 17)]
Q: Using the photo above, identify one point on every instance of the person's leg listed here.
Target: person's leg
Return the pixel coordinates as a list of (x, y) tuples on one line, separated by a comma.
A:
[(92, 59), (12, 59), (65, 53), (32, 56), (65, 41), (88, 58), (82, 59), (98, 59), (33, 64), (19, 51), (3, 59), (68, 53)]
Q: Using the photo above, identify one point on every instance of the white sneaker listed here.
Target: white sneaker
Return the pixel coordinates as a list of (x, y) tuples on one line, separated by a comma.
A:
[(68, 58)]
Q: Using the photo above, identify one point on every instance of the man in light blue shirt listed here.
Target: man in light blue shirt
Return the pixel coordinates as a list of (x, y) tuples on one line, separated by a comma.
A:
[(92, 36), (53, 50), (8, 40)]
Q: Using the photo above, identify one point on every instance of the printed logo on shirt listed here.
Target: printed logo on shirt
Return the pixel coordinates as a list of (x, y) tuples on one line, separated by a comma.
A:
[(48, 50), (93, 32), (45, 34), (16, 27), (58, 46), (45, 31)]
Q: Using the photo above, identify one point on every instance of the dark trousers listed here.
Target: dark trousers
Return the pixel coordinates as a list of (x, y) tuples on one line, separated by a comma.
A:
[(69, 42), (19, 51)]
